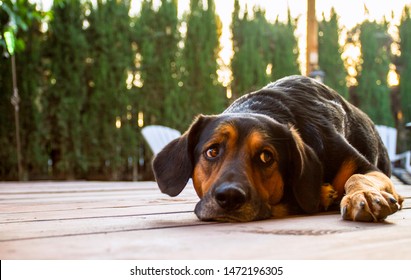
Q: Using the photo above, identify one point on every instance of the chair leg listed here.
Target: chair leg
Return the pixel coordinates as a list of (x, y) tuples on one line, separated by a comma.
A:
[(408, 161)]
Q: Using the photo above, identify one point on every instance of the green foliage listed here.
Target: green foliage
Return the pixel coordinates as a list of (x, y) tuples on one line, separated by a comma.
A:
[(200, 80), (31, 84), (157, 38), (16, 16), (24, 20), (8, 159), (405, 64), (250, 42), (109, 60), (259, 45), (174, 98), (64, 98), (329, 51), (284, 49), (373, 90)]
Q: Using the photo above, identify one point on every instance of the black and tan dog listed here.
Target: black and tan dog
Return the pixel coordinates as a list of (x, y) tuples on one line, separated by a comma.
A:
[(295, 146)]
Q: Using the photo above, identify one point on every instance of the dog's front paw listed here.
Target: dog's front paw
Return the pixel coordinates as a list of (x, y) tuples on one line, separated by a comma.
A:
[(369, 198), (368, 206)]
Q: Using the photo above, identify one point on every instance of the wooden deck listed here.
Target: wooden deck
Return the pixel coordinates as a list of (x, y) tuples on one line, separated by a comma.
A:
[(129, 220)]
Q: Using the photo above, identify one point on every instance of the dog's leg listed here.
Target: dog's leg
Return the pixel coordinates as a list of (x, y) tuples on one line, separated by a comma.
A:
[(369, 197)]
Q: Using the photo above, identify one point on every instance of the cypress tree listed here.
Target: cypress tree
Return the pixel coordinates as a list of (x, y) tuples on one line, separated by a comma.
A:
[(105, 146), (329, 51), (200, 55), (373, 91), (260, 45), (251, 38), (239, 66), (29, 78), (146, 41), (262, 38), (157, 37), (31, 88), (64, 99), (405, 65), (8, 158), (171, 70), (284, 49)]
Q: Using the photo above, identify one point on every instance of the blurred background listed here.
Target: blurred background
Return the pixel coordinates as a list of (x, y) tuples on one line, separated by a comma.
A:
[(80, 79)]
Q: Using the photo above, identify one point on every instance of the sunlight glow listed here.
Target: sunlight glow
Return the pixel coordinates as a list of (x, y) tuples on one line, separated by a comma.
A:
[(392, 77), (118, 122), (229, 93), (140, 121), (269, 69)]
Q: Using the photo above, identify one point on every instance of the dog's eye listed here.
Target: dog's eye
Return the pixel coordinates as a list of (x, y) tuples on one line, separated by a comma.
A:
[(266, 157), (212, 152)]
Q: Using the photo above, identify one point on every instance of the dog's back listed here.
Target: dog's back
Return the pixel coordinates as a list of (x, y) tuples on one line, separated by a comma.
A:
[(317, 112)]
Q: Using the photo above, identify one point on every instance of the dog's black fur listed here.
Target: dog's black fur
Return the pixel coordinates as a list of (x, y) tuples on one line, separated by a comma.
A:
[(327, 123)]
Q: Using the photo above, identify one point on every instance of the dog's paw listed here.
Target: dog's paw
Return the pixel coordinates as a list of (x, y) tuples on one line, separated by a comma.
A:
[(328, 196), (368, 206), (369, 198)]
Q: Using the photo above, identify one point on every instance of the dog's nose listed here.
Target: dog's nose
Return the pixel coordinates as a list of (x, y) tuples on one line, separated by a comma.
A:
[(230, 196)]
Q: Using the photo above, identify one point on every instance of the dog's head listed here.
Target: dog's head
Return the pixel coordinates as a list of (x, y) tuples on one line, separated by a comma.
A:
[(242, 166)]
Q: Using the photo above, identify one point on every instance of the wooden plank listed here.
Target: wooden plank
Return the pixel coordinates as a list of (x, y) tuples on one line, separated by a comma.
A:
[(104, 225), (150, 225), (42, 198), (315, 237), (404, 190), (84, 205), (144, 195), (54, 186), (101, 223), (94, 225), (76, 193), (85, 209), (106, 211)]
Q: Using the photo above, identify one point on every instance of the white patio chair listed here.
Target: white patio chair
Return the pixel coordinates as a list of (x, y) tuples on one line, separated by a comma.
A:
[(158, 136), (389, 138)]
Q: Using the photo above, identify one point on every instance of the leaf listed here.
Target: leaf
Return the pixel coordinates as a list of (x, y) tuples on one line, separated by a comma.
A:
[(20, 45), (7, 9), (10, 39), (20, 23)]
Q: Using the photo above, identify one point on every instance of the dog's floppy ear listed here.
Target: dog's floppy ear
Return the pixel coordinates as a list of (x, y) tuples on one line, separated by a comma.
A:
[(307, 175), (173, 166)]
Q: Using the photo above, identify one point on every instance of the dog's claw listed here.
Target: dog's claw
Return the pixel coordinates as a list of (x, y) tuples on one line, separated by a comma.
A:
[(344, 212)]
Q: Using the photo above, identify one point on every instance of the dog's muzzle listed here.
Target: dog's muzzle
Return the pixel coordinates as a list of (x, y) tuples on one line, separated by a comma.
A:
[(232, 202)]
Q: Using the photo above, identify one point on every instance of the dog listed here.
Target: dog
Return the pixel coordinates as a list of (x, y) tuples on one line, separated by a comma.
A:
[(295, 146)]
